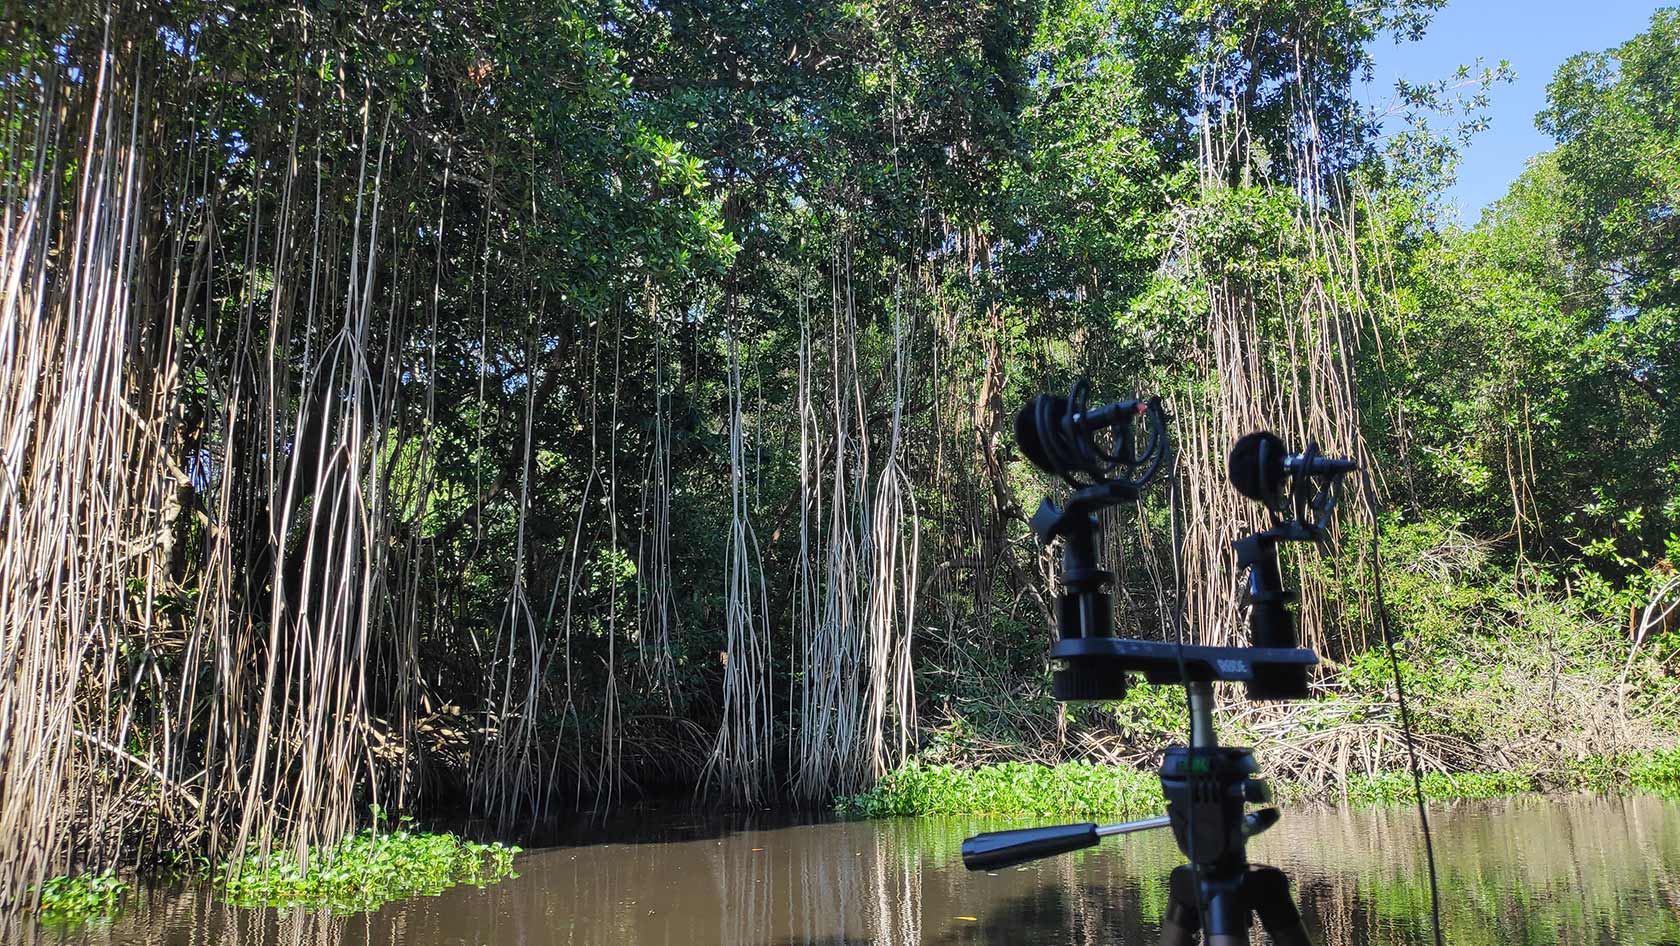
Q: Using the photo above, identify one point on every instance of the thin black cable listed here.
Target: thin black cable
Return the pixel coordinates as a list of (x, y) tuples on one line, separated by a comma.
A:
[(1174, 501), (1405, 715)]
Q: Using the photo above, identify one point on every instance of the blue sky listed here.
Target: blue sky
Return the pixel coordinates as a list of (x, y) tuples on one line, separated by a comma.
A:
[(1536, 36)]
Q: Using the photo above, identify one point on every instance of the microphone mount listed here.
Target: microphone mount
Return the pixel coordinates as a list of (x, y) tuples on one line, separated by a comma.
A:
[(1300, 491), (1059, 435), (1299, 488)]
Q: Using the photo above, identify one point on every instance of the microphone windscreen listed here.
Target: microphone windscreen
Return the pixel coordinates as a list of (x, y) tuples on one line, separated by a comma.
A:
[(1027, 434), (1256, 466)]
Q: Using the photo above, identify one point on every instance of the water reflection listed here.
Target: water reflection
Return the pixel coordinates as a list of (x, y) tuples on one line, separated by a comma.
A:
[(191, 917), (1526, 871)]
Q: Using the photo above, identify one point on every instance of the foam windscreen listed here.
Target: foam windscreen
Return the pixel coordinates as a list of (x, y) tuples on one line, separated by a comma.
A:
[(1027, 433), (1257, 467)]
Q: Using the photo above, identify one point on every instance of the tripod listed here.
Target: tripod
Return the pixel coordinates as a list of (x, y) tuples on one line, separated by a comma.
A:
[(1206, 785), (1218, 892)]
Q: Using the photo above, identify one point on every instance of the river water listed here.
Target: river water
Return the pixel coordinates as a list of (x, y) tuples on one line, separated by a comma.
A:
[(1534, 870)]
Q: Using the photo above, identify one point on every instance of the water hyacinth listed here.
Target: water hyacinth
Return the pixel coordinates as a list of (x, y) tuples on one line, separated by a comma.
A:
[(73, 900), (365, 871)]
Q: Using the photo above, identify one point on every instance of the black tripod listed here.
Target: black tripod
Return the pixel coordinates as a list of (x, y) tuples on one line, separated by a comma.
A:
[(1206, 785)]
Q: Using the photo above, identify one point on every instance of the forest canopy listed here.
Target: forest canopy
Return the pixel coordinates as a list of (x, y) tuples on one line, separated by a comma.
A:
[(496, 408)]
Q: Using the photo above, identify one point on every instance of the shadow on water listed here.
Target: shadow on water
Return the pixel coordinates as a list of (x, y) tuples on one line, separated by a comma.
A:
[(1529, 872), (671, 822)]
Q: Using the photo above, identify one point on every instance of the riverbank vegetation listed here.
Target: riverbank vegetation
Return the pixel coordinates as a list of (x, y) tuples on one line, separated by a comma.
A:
[(364, 871), (67, 901), (491, 410), (1089, 790), (356, 875)]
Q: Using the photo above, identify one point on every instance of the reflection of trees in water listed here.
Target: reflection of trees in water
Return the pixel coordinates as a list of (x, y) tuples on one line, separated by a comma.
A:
[(172, 917), (1531, 870), (862, 886), (827, 884), (1534, 872), (1115, 894)]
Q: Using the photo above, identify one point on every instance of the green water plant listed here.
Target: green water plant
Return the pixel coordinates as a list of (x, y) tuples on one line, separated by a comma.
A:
[(72, 900), (1395, 788), (365, 870), (1075, 788), (1084, 789), (1656, 771)]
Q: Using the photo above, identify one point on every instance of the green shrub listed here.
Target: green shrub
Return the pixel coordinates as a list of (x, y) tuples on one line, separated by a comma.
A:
[(1084, 789), (1655, 771), (1396, 787), (1652, 771), (1149, 712)]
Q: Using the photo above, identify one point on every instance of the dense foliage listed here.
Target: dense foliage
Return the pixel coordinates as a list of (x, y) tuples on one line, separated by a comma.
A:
[(500, 407)]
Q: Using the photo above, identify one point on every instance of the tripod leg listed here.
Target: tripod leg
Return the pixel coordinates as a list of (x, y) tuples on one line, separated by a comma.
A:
[(1183, 920), (1269, 892)]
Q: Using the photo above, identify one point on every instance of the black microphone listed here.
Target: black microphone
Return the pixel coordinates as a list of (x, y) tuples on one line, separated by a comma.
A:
[(1108, 415), (1040, 425), (1259, 466)]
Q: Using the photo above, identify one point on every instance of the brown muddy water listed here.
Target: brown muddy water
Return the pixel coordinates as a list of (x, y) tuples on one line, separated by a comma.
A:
[(1571, 870)]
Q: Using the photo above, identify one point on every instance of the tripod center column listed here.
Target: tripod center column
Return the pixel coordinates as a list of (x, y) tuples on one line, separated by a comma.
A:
[(1201, 714)]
